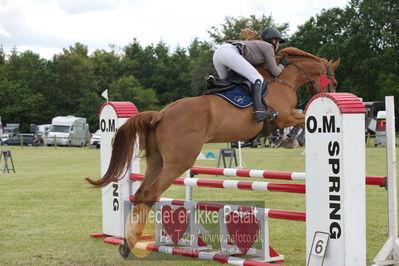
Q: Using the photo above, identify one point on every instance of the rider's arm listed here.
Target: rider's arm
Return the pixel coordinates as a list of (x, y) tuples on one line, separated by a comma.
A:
[(270, 59)]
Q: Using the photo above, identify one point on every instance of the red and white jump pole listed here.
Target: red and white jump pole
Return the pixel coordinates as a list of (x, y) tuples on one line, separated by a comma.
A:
[(268, 174), (232, 184), (212, 206)]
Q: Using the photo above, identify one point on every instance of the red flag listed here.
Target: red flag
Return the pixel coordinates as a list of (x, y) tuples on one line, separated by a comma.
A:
[(324, 81)]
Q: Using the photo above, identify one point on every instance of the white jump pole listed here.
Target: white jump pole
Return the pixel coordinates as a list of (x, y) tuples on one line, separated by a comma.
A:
[(240, 165), (115, 196), (335, 187), (389, 254)]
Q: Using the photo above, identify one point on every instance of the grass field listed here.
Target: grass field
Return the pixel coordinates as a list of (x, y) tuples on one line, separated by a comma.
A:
[(48, 212)]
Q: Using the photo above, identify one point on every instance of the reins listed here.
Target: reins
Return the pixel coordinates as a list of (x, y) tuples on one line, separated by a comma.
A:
[(289, 85), (286, 83), (306, 74), (280, 81)]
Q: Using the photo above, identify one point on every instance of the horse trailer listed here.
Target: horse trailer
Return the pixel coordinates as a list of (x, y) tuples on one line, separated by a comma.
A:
[(68, 131)]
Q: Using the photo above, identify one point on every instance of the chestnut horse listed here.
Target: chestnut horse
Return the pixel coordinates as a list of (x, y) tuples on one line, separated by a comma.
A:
[(173, 137)]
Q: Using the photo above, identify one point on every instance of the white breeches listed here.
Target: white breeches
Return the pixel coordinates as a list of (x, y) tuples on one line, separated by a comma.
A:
[(227, 57)]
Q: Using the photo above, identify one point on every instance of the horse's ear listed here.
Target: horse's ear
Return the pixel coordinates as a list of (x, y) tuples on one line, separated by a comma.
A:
[(335, 64)]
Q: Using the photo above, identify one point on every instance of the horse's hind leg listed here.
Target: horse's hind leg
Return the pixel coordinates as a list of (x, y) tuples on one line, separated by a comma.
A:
[(136, 219), (144, 199), (179, 140), (154, 164), (148, 195)]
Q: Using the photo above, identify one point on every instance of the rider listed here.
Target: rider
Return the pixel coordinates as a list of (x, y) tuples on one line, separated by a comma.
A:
[(240, 56)]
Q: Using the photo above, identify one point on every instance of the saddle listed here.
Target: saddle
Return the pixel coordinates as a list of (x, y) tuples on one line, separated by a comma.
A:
[(236, 90), (215, 84)]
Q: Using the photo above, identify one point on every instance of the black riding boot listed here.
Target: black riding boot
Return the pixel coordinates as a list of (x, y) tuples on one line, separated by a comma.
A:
[(260, 113)]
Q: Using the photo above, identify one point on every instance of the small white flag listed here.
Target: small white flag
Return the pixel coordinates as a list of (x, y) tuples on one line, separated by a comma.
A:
[(105, 94)]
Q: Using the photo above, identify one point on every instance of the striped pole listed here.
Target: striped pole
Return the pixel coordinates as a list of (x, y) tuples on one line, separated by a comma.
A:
[(212, 206), (232, 184), (201, 255), (300, 176)]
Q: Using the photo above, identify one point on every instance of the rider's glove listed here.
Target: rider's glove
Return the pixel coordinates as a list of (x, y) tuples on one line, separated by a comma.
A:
[(284, 61)]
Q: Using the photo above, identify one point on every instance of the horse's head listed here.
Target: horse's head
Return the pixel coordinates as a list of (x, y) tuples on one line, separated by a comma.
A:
[(331, 86), (317, 73)]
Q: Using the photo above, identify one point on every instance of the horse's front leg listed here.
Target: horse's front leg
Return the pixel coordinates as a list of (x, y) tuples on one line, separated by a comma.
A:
[(297, 120), (289, 119)]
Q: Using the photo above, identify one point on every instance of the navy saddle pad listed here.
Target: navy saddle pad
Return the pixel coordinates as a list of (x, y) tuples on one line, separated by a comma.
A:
[(238, 96)]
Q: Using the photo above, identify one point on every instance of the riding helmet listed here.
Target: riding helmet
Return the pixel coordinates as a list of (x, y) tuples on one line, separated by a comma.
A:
[(269, 34)]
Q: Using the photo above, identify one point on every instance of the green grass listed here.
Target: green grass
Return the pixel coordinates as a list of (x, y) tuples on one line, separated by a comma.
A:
[(48, 212)]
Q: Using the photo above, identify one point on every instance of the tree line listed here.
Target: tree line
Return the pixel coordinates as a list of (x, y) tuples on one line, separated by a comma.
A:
[(364, 35)]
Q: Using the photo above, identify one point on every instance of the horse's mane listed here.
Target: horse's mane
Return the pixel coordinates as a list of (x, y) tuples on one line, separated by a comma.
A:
[(297, 52)]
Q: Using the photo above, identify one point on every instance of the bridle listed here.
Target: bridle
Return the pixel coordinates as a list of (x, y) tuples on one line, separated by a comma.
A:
[(329, 75)]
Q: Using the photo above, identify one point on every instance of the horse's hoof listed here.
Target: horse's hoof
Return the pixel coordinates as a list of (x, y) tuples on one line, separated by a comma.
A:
[(124, 250), (135, 224)]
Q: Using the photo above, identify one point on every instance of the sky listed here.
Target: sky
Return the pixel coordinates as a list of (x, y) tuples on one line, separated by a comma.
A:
[(47, 26)]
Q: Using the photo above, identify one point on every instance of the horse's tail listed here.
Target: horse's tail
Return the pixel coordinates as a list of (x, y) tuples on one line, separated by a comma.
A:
[(123, 145)]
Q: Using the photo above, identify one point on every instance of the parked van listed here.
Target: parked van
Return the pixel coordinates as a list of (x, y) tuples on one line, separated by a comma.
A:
[(68, 131), (95, 140), (43, 131), (10, 130)]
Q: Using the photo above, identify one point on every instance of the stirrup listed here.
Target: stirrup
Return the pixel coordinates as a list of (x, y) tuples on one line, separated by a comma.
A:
[(260, 116)]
